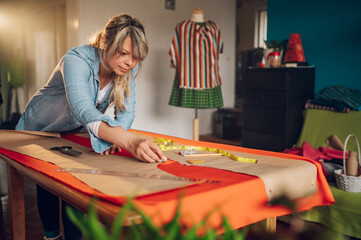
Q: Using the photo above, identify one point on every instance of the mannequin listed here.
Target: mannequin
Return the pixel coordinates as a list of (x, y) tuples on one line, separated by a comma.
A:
[(197, 82), (197, 15)]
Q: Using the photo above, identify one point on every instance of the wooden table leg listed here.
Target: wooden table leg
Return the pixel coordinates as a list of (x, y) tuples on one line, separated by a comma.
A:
[(16, 203), (271, 224)]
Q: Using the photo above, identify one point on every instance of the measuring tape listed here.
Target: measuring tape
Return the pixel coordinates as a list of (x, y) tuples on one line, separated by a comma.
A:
[(168, 144)]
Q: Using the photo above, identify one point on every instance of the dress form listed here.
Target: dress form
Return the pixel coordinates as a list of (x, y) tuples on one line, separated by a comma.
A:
[(197, 15), (195, 86)]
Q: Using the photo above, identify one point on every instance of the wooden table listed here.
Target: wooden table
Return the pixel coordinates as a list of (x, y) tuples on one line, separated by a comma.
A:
[(15, 174), (106, 210)]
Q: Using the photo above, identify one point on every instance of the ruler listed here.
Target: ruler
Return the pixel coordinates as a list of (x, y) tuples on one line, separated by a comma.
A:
[(136, 175)]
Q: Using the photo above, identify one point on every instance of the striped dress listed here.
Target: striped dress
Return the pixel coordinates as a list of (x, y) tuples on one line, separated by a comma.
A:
[(194, 53)]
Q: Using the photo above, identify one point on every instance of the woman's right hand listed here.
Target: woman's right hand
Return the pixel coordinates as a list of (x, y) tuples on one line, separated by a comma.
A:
[(142, 149), (145, 150)]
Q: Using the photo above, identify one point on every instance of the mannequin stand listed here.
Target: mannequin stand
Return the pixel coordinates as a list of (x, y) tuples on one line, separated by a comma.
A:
[(196, 126)]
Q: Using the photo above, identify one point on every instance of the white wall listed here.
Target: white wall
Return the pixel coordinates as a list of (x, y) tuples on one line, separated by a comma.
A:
[(154, 83)]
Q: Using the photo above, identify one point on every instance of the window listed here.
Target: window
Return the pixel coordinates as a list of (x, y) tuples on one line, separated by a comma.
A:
[(260, 33)]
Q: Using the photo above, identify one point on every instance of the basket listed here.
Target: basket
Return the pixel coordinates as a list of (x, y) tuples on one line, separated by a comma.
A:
[(343, 181)]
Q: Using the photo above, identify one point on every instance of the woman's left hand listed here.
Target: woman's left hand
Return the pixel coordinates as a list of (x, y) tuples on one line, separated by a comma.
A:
[(111, 150)]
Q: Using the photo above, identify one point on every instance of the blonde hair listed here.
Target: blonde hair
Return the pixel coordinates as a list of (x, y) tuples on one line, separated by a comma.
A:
[(109, 43)]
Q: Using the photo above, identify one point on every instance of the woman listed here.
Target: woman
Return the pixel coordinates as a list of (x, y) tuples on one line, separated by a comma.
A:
[(85, 82)]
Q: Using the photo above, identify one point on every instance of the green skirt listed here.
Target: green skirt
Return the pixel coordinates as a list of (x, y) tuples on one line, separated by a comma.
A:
[(195, 98)]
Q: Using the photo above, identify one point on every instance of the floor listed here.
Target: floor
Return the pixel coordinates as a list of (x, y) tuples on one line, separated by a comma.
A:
[(34, 230)]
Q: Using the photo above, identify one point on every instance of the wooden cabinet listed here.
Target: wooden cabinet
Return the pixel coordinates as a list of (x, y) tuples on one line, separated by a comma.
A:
[(273, 102)]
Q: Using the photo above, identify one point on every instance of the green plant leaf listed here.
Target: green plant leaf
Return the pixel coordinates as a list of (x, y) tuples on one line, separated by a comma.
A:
[(231, 234), (209, 235), (117, 226), (92, 228), (241, 235), (173, 232), (136, 234), (148, 223), (78, 220), (275, 45), (191, 234), (172, 226), (98, 230), (228, 234)]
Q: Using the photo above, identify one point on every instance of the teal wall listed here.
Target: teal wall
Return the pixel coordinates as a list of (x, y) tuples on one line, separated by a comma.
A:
[(331, 36)]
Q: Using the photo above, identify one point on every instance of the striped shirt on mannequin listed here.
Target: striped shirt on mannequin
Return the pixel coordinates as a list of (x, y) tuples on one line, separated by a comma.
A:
[(194, 52)]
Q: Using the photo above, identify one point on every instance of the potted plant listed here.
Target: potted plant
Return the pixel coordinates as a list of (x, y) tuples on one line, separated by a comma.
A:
[(272, 55)]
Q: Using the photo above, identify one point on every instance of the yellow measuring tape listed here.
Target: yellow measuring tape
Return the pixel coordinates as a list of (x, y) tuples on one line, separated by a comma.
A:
[(168, 144)]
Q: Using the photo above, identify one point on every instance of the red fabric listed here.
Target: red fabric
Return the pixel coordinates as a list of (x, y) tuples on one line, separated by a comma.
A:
[(318, 154), (240, 197)]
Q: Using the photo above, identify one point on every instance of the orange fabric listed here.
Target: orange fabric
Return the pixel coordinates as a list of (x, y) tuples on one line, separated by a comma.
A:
[(256, 208), (240, 197), (237, 193)]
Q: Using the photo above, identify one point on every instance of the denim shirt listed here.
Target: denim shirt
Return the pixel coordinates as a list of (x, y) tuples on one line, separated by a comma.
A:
[(68, 99)]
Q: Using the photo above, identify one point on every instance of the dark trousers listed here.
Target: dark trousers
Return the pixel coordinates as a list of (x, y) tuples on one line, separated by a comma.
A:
[(49, 211)]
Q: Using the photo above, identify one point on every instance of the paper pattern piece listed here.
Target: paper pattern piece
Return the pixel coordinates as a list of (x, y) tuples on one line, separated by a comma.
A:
[(38, 147), (295, 178)]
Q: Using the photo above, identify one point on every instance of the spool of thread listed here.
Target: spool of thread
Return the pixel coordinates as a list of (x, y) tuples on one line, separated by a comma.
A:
[(335, 143), (352, 164)]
